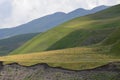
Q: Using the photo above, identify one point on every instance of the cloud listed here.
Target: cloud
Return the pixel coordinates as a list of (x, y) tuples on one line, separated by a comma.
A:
[(22, 11), (5, 9)]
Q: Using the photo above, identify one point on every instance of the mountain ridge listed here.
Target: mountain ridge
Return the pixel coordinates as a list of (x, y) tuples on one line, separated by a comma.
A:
[(45, 23)]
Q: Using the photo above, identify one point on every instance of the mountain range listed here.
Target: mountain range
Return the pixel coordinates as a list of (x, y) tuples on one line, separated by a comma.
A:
[(47, 22), (84, 48), (90, 41)]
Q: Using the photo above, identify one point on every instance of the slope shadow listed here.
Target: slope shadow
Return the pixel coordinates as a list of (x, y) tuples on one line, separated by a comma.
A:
[(81, 37)]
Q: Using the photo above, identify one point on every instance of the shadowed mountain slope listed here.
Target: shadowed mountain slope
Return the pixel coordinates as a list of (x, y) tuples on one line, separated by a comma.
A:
[(9, 44)]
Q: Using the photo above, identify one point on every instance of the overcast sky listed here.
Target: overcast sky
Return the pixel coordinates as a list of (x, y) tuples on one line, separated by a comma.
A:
[(16, 12)]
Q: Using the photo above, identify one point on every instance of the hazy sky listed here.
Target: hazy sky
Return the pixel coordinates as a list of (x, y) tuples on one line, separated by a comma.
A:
[(16, 12)]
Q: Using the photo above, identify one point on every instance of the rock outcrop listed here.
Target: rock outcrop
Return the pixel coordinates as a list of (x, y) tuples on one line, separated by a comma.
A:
[(15, 71)]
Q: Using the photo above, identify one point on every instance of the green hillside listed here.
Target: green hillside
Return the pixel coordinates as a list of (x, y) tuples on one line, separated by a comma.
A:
[(9, 44), (82, 31)]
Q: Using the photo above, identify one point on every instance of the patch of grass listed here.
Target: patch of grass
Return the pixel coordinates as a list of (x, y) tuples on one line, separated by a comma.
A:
[(113, 37), (73, 58)]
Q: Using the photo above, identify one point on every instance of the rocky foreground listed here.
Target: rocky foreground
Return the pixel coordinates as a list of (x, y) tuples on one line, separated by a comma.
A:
[(15, 71)]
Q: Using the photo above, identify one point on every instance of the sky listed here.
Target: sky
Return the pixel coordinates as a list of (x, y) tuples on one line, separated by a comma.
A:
[(17, 12)]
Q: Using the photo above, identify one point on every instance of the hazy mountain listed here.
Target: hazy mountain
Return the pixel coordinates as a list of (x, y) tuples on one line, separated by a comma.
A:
[(82, 12), (45, 23)]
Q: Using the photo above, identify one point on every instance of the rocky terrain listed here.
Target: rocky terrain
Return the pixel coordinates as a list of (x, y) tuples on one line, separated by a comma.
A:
[(15, 71)]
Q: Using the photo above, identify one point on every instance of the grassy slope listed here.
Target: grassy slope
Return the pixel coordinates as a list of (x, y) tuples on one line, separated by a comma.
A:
[(9, 44), (78, 32), (112, 38), (103, 25), (73, 58)]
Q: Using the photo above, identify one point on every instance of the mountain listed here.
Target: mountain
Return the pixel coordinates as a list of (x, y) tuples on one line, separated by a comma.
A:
[(34, 26), (9, 44), (82, 12), (81, 43), (82, 31), (47, 22), (84, 48)]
